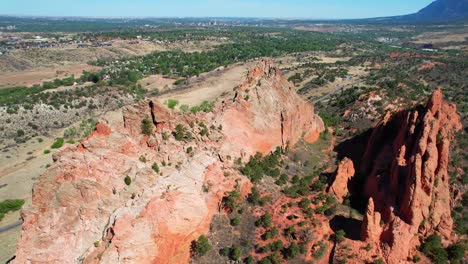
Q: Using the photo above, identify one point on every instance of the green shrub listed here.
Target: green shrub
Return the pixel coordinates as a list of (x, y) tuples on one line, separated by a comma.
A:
[(172, 103), (235, 221), (265, 220), (274, 258), (58, 143), (235, 253), (205, 107), (155, 167), (20, 133), (270, 234), (249, 260), (320, 252), (340, 235), (179, 133), (456, 252), (184, 108), (224, 251), (146, 126), (201, 246), (304, 204), (179, 81), (379, 261), (10, 206), (232, 201), (254, 196), (292, 251), (433, 249), (128, 180), (47, 151)]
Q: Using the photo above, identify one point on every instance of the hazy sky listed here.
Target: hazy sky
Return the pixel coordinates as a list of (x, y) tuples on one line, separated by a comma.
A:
[(226, 8)]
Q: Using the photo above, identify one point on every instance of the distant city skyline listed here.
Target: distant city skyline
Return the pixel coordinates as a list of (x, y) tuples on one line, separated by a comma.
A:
[(313, 9)]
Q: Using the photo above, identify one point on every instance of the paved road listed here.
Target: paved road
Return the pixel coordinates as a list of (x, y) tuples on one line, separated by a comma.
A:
[(11, 226)]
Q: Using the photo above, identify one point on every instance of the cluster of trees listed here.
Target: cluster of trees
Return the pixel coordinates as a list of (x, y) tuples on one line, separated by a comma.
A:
[(185, 64), (259, 166), (432, 248)]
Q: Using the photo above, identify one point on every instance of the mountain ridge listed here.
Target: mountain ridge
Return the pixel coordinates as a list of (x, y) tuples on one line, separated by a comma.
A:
[(437, 11)]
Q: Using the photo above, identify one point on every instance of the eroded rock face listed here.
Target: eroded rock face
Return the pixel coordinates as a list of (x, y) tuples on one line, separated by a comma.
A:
[(265, 121), (370, 229), (406, 163), (83, 210), (343, 175)]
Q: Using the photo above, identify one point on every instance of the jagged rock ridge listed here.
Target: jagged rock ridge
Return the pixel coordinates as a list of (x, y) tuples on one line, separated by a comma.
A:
[(84, 211), (406, 170)]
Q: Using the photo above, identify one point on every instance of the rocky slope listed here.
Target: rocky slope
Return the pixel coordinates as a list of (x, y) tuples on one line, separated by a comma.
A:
[(405, 167), (105, 200)]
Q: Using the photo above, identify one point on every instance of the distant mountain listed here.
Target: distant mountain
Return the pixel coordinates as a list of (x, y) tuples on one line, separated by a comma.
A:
[(437, 11)]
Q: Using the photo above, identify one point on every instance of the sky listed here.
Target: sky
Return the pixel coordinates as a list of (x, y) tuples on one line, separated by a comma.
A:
[(331, 9)]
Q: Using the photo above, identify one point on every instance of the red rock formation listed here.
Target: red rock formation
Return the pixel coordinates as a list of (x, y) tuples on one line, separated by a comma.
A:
[(406, 163), (83, 211), (343, 175), (370, 229), (268, 110)]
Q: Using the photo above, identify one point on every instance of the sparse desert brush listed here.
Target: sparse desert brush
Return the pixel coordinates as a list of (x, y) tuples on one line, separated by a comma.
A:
[(146, 126), (172, 103)]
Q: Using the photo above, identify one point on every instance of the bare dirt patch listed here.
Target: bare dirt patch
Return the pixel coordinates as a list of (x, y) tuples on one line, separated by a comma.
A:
[(440, 37), (37, 76), (23, 60), (209, 86), (157, 82)]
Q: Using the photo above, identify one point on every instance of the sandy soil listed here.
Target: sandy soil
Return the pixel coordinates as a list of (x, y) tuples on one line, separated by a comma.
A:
[(209, 86), (324, 59), (440, 37), (157, 82), (8, 242), (21, 166), (37, 76)]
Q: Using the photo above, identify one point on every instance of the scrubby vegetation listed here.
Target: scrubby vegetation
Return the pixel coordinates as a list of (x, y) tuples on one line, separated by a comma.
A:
[(147, 126), (259, 166), (432, 248), (58, 143), (10, 206), (201, 246)]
